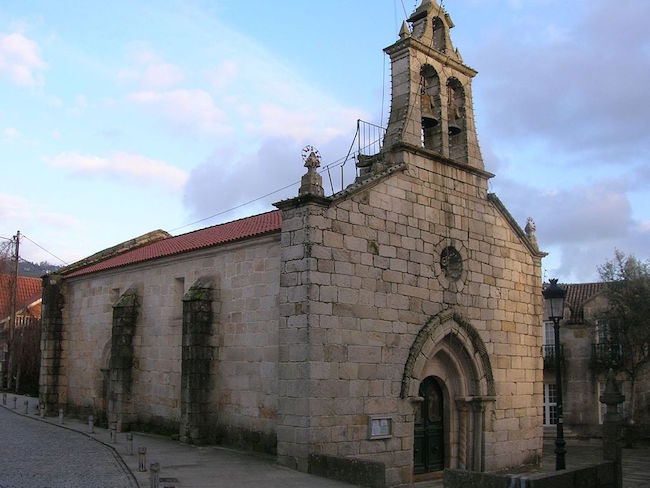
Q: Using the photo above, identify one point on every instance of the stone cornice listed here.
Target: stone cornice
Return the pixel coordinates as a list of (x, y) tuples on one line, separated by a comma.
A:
[(442, 58), (498, 204), (437, 157), (301, 200)]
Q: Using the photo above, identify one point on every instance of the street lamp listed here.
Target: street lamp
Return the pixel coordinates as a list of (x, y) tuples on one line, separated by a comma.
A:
[(554, 297)]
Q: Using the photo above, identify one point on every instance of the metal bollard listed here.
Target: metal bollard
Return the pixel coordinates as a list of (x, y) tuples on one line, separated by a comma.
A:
[(113, 432), (15, 400), (91, 424), (41, 411), (129, 442), (154, 475), (61, 416), (26, 404), (4, 398), (142, 459)]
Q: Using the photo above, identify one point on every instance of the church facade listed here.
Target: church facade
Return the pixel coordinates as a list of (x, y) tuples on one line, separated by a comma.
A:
[(379, 334)]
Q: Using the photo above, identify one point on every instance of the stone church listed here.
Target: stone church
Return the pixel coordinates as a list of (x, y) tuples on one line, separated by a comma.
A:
[(378, 335)]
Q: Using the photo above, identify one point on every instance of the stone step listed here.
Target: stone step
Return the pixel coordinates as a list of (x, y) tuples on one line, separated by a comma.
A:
[(550, 432)]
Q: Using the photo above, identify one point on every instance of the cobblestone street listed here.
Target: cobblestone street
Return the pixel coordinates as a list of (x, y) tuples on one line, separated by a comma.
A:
[(34, 454)]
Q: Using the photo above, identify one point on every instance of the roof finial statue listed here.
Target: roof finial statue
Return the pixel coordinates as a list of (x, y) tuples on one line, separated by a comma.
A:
[(530, 231), (311, 182)]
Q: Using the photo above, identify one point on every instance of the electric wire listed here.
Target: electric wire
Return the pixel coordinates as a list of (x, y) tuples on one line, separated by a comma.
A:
[(406, 16), (338, 162), (383, 87), (42, 248)]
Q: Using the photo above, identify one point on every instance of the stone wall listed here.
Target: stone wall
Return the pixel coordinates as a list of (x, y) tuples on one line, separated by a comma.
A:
[(580, 388), (601, 475), (367, 281), (582, 376), (243, 381)]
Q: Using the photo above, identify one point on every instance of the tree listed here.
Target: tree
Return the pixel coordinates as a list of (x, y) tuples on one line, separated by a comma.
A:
[(6, 256), (627, 290)]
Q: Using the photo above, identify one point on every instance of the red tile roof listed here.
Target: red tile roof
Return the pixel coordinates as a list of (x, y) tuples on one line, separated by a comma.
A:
[(28, 291), (579, 293), (237, 230)]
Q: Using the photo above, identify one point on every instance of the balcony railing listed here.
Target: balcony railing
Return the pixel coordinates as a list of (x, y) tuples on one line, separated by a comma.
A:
[(549, 355), (605, 355)]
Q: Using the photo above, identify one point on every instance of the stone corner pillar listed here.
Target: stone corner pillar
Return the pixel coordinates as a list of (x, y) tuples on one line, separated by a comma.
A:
[(51, 372), (125, 316), (303, 219), (196, 361)]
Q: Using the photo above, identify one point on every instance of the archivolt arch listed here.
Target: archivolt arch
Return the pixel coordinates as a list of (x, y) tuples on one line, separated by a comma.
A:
[(466, 341)]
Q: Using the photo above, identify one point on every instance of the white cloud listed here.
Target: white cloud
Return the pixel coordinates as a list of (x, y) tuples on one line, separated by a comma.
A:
[(275, 120), (131, 166), (54, 102), (17, 210), (20, 60), (151, 71), (279, 103), (192, 111), (11, 133), (224, 75), (80, 104), (59, 220), (13, 207), (572, 87)]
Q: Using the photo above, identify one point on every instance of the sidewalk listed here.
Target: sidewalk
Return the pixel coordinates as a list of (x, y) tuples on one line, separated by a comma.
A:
[(183, 465)]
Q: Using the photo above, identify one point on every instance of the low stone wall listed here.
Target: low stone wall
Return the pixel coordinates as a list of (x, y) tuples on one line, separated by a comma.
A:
[(357, 471), (600, 475)]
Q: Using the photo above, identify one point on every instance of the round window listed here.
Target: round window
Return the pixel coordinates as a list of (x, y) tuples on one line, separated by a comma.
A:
[(451, 263)]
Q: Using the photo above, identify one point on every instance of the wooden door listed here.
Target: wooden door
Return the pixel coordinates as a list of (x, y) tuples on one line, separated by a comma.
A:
[(429, 448)]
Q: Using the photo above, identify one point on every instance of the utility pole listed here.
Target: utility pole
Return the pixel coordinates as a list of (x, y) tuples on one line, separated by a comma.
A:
[(12, 318)]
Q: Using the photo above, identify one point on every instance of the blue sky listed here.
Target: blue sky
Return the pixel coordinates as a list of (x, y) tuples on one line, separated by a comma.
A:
[(123, 117)]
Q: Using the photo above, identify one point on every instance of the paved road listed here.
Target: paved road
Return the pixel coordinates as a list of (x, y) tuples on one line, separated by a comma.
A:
[(34, 454), (636, 462)]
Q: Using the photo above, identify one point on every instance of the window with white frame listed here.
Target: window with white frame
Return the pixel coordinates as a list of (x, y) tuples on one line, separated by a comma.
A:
[(603, 334), (550, 404), (549, 334)]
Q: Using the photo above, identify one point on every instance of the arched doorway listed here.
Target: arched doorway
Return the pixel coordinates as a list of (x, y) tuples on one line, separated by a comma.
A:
[(429, 446), (448, 379)]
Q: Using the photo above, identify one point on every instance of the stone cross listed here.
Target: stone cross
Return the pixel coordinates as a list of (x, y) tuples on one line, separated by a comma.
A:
[(612, 397)]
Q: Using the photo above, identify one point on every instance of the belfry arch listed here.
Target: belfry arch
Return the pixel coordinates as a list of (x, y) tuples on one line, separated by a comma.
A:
[(451, 351)]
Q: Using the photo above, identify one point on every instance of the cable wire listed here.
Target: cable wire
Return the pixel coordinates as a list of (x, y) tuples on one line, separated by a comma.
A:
[(406, 16), (338, 162), (42, 248)]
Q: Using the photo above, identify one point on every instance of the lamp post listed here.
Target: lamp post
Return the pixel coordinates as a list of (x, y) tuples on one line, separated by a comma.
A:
[(554, 297)]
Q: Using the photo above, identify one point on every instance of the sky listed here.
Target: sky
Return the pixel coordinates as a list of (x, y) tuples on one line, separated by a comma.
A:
[(119, 118)]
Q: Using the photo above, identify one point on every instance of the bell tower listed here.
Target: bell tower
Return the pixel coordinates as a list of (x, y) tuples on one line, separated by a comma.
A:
[(431, 106)]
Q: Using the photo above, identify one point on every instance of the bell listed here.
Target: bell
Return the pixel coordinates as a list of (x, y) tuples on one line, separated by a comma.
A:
[(428, 117), (429, 121), (454, 127)]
